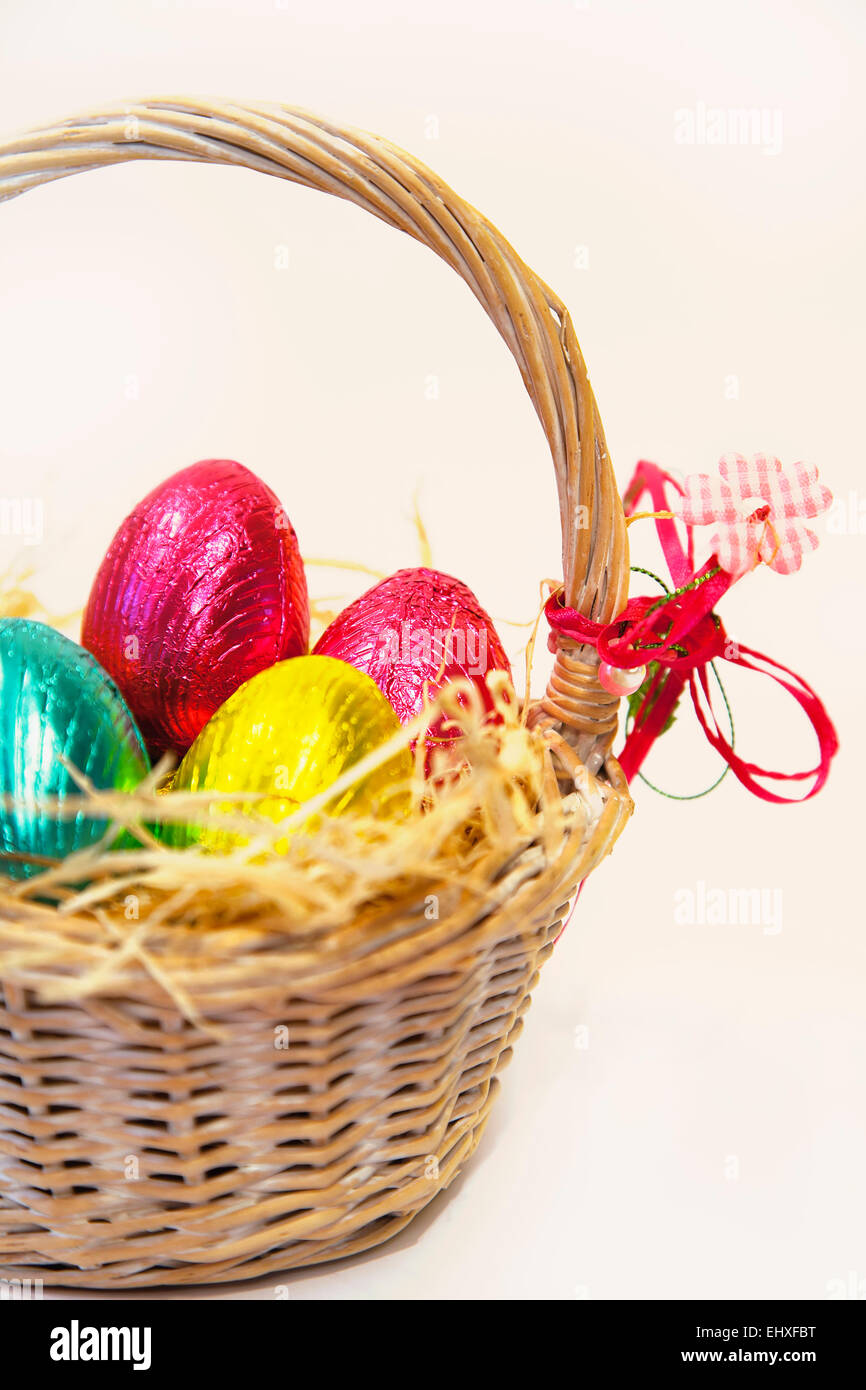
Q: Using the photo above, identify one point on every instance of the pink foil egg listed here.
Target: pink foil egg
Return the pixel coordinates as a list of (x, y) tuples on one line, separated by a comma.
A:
[(202, 587), (419, 627)]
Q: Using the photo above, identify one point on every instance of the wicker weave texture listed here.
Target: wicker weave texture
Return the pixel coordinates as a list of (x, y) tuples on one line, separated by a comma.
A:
[(145, 1152)]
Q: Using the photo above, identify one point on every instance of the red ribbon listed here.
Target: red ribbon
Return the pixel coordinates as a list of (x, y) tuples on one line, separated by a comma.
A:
[(682, 633)]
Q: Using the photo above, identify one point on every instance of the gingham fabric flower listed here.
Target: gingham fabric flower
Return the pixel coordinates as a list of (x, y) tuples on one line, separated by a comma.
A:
[(757, 508)]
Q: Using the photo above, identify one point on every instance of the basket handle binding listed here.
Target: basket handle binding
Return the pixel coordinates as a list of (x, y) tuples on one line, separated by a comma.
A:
[(398, 189)]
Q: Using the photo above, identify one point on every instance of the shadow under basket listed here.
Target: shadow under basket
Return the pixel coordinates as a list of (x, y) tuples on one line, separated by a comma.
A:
[(145, 1144)]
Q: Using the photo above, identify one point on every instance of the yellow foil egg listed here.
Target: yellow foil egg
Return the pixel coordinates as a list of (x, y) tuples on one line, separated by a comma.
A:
[(290, 732)]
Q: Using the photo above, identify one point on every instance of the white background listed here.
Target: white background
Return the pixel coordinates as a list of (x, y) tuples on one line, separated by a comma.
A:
[(709, 1140)]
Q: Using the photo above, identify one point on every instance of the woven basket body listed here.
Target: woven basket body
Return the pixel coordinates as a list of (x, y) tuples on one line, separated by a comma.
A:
[(330, 1095)]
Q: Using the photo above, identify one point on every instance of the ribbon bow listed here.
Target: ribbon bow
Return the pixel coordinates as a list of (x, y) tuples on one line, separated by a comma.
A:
[(681, 634)]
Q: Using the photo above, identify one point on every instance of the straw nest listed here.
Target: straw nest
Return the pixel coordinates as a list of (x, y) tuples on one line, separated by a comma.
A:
[(488, 817)]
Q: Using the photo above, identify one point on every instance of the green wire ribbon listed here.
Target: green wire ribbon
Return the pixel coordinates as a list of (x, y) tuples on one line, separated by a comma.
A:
[(633, 704)]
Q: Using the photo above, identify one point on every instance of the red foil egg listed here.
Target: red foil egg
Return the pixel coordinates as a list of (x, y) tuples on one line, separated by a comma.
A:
[(202, 587), (417, 627)]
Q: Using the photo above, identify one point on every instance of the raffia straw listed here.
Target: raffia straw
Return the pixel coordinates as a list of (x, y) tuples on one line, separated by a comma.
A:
[(482, 808), (425, 551), (546, 584)]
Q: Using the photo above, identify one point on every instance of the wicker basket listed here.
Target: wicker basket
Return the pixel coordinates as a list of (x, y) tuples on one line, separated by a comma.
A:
[(256, 1159)]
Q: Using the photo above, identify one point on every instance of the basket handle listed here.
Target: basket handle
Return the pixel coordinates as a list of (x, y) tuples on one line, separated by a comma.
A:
[(535, 324)]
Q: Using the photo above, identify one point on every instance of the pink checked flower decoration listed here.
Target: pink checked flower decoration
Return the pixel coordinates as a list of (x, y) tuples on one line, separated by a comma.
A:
[(757, 508)]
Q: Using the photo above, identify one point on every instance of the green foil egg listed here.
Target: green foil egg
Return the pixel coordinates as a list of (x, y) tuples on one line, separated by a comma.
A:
[(56, 703)]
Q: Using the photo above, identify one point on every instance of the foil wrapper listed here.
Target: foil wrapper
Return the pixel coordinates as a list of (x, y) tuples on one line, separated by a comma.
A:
[(290, 732), (56, 704), (419, 628), (202, 587)]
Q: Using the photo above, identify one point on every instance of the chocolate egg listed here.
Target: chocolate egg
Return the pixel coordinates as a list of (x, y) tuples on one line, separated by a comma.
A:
[(201, 588), (56, 703), (417, 630), (290, 732)]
